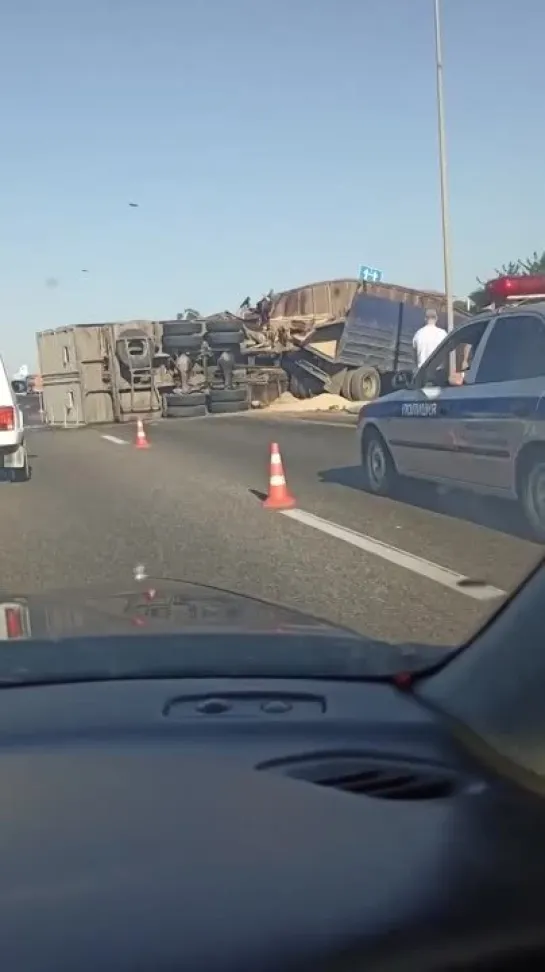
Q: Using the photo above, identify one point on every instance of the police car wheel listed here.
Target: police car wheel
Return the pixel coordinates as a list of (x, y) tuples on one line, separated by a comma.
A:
[(532, 495), (378, 467)]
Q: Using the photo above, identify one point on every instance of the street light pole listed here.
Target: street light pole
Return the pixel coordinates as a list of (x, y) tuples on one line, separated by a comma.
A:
[(443, 166)]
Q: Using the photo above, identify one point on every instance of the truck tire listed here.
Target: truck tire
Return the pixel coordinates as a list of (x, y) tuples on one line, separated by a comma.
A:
[(138, 353), (225, 339), (239, 394), (178, 343), (185, 411), (379, 471), (181, 327), (345, 388), (221, 327), (218, 408), (185, 399), (364, 385)]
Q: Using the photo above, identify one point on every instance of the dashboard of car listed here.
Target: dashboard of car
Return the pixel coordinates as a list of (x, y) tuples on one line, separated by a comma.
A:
[(230, 824)]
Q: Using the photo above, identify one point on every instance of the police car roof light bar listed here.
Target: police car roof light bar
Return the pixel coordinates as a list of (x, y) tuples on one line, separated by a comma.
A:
[(516, 288)]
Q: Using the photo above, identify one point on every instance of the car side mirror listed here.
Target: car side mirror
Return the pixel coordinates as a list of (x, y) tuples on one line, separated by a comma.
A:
[(402, 379), (439, 379)]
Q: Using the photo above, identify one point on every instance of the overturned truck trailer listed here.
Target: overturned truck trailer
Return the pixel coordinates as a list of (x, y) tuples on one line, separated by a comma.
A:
[(94, 373), (348, 337)]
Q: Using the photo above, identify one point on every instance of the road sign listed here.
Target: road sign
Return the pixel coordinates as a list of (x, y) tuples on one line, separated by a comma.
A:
[(369, 274)]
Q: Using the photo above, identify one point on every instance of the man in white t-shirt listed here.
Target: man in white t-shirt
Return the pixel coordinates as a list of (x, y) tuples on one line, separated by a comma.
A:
[(427, 338)]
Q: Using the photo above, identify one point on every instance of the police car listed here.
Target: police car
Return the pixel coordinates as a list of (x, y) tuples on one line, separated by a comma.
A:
[(473, 416)]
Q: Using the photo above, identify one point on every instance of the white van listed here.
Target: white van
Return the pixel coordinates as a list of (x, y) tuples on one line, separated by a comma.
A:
[(13, 450)]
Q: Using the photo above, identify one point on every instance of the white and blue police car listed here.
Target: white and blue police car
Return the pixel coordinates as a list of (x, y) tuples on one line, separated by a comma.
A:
[(473, 416)]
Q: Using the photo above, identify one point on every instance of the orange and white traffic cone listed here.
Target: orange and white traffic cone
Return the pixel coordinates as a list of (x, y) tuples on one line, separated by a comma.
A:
[(279, 497), (141, 438)]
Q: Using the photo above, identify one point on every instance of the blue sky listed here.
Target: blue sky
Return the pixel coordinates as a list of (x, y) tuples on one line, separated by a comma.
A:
[(267, 144)]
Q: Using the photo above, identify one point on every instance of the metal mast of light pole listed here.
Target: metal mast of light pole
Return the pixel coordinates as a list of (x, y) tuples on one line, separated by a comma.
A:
[(443, 166)]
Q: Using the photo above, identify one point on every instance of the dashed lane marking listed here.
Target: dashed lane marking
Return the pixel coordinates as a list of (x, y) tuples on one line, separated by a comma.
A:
[(114, 439)]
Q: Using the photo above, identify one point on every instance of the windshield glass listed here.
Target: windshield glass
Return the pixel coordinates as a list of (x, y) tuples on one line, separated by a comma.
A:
[(242, 394)]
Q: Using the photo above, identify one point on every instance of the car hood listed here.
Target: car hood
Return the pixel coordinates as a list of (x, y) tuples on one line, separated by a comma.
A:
[(145, 606), (152, 626)]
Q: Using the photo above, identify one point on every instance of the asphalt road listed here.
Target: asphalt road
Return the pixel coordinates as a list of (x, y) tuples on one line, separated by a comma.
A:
[(189, 507)]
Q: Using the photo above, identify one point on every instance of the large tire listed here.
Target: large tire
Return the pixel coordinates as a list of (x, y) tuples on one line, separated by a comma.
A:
[(346, 385), (178, 343), (185, 399), (226, 339), (364, 385), (218, 408), (222, 326), (142, 359), (379, 472), (239, 394), (185, 411), (181, 327), (531, 493)]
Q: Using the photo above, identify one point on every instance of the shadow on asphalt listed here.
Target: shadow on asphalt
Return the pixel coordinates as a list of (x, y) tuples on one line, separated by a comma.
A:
[(6, 477), (6, 474), (258, 494), (494, 514)]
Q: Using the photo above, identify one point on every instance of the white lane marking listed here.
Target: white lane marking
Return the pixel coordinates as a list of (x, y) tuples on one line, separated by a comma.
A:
[(332, 425), (426, 568), (114, 439)]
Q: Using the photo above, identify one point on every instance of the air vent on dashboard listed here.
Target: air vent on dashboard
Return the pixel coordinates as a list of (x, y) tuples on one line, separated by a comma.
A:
[(385, 780)]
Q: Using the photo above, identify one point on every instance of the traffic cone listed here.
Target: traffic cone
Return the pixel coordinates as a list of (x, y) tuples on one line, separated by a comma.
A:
[(141, 439), (279, 497)]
